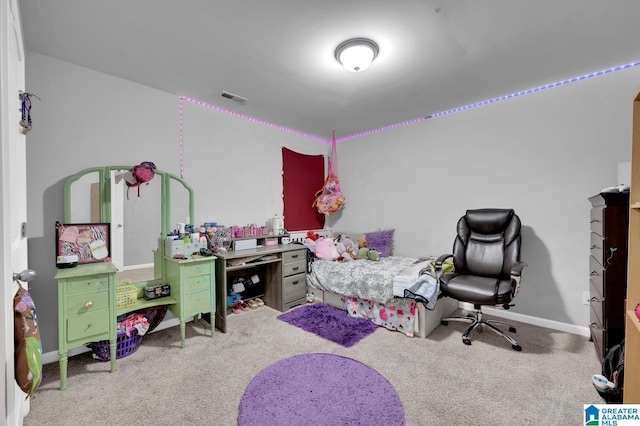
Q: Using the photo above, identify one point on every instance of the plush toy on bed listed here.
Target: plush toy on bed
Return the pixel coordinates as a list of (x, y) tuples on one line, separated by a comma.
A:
[(362, 242), (367, 253), (326, 249), (347, 250)]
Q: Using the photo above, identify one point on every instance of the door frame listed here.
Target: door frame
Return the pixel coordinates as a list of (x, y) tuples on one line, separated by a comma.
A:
[(13, 210)]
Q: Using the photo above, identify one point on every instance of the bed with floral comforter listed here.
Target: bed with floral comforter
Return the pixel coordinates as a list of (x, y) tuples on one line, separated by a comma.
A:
[(367, 288)]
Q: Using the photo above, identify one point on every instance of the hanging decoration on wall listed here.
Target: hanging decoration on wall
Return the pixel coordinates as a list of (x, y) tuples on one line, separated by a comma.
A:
[(137, 175), (330, 198), (25, 120)]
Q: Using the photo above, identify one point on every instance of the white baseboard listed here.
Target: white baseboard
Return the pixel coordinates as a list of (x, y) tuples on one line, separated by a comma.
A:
[(53, 356), (527, 319), (141, 266)]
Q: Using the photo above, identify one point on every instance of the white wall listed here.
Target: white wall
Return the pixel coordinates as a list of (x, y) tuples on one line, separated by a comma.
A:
[(541, 154), (88, 119)]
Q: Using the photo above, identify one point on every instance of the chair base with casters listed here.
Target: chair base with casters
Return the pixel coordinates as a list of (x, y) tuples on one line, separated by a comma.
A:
[(476, 321)]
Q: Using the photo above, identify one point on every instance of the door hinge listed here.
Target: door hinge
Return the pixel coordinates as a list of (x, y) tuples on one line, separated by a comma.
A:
[(23, 230)]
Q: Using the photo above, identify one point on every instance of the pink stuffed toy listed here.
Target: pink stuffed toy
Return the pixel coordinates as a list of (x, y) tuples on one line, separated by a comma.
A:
[(326, 249)]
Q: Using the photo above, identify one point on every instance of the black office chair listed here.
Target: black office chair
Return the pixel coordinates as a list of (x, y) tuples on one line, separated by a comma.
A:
[(487, 267)]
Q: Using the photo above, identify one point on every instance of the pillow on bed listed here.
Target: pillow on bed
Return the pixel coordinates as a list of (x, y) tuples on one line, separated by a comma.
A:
[(381, 241)]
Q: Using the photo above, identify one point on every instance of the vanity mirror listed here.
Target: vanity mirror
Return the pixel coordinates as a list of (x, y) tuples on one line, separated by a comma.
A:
[(139, 224)]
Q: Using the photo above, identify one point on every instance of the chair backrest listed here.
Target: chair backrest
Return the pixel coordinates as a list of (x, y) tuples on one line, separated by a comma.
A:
[(488, 242)]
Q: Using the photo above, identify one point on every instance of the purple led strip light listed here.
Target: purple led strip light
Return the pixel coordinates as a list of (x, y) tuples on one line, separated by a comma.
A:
[(392, 126), (536, 89), (255, 120)]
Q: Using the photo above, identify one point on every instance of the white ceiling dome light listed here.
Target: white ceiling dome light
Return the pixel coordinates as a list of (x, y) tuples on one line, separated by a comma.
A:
[(356, 54)]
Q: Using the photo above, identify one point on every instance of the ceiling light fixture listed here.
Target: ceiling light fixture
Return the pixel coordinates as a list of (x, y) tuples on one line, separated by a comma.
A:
[(356, 54)]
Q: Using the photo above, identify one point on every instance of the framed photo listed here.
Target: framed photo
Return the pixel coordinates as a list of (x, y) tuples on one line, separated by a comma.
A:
[(78, 243)]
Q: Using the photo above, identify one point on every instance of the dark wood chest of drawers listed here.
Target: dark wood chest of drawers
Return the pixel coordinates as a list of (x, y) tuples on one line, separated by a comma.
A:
[(608, 268)]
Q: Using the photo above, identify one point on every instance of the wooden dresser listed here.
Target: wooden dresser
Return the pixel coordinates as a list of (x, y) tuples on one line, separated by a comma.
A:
[(608, 268)]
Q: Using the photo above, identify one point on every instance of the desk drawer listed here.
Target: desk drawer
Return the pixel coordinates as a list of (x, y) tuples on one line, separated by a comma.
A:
[(294, 288), (597, 220), (87, 284), (199, 302), (79, 304), (197, 269), (294, 256), (86, 325), (197, 283), (294, 268)]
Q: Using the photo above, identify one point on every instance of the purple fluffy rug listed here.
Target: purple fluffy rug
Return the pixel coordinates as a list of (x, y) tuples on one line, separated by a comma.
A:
[(320, 389), (330, 323)]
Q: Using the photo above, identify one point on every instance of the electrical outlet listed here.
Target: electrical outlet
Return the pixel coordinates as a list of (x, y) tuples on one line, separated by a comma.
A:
[(586, 298)]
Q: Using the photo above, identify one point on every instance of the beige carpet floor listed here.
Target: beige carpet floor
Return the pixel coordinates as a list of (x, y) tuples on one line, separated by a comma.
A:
[(440, 381)]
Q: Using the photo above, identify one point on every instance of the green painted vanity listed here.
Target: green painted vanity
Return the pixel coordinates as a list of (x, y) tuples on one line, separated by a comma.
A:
[(87, 310)]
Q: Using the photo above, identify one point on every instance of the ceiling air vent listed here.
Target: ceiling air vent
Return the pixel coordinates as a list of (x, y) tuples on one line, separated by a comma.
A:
[(236, 98)]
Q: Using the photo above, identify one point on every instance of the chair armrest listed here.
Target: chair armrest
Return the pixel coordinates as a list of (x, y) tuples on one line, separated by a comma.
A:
[(440, 260), (516, 268), (516, 271)]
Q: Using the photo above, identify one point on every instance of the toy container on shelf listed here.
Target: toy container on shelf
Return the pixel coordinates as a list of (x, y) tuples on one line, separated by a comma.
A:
[(126, 295)]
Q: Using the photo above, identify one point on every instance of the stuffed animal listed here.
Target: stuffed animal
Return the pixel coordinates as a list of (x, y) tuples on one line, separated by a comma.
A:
[(366, 253), (343, 253), (362, 242), (326, 249), (350, 248)]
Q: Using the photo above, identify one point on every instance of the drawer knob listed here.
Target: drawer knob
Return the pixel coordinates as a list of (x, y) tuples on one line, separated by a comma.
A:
[(594, 247), (88, 304), (295, 268), (593, 273), (295, 282), (593, 325), (593, 299), (594, 220), (295, 256)]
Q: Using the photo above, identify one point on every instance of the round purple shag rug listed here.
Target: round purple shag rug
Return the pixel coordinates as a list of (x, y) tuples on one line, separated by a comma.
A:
[(320, 389)]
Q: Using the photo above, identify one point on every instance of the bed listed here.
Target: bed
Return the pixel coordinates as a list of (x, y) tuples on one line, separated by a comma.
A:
[(370, 289)]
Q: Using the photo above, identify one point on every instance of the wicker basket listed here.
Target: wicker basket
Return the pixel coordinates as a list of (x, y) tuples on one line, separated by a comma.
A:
[(126, 295), (125, 345)]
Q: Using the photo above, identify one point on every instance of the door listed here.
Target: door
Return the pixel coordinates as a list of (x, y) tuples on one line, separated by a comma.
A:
[(13, 201)]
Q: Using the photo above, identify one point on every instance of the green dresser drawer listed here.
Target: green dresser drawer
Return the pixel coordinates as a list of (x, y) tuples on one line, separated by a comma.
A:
[(294, 268), (197, 269), (196, 303), (294, 288), (86, 284), (197, 283), (294, 256), (90, 324), (78, 304)]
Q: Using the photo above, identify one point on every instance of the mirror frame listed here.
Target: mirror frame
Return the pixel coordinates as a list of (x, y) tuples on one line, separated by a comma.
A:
[(104, 181)]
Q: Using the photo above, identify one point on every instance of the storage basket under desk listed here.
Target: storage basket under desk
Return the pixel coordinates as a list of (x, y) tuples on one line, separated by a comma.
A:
[(126, 345)]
